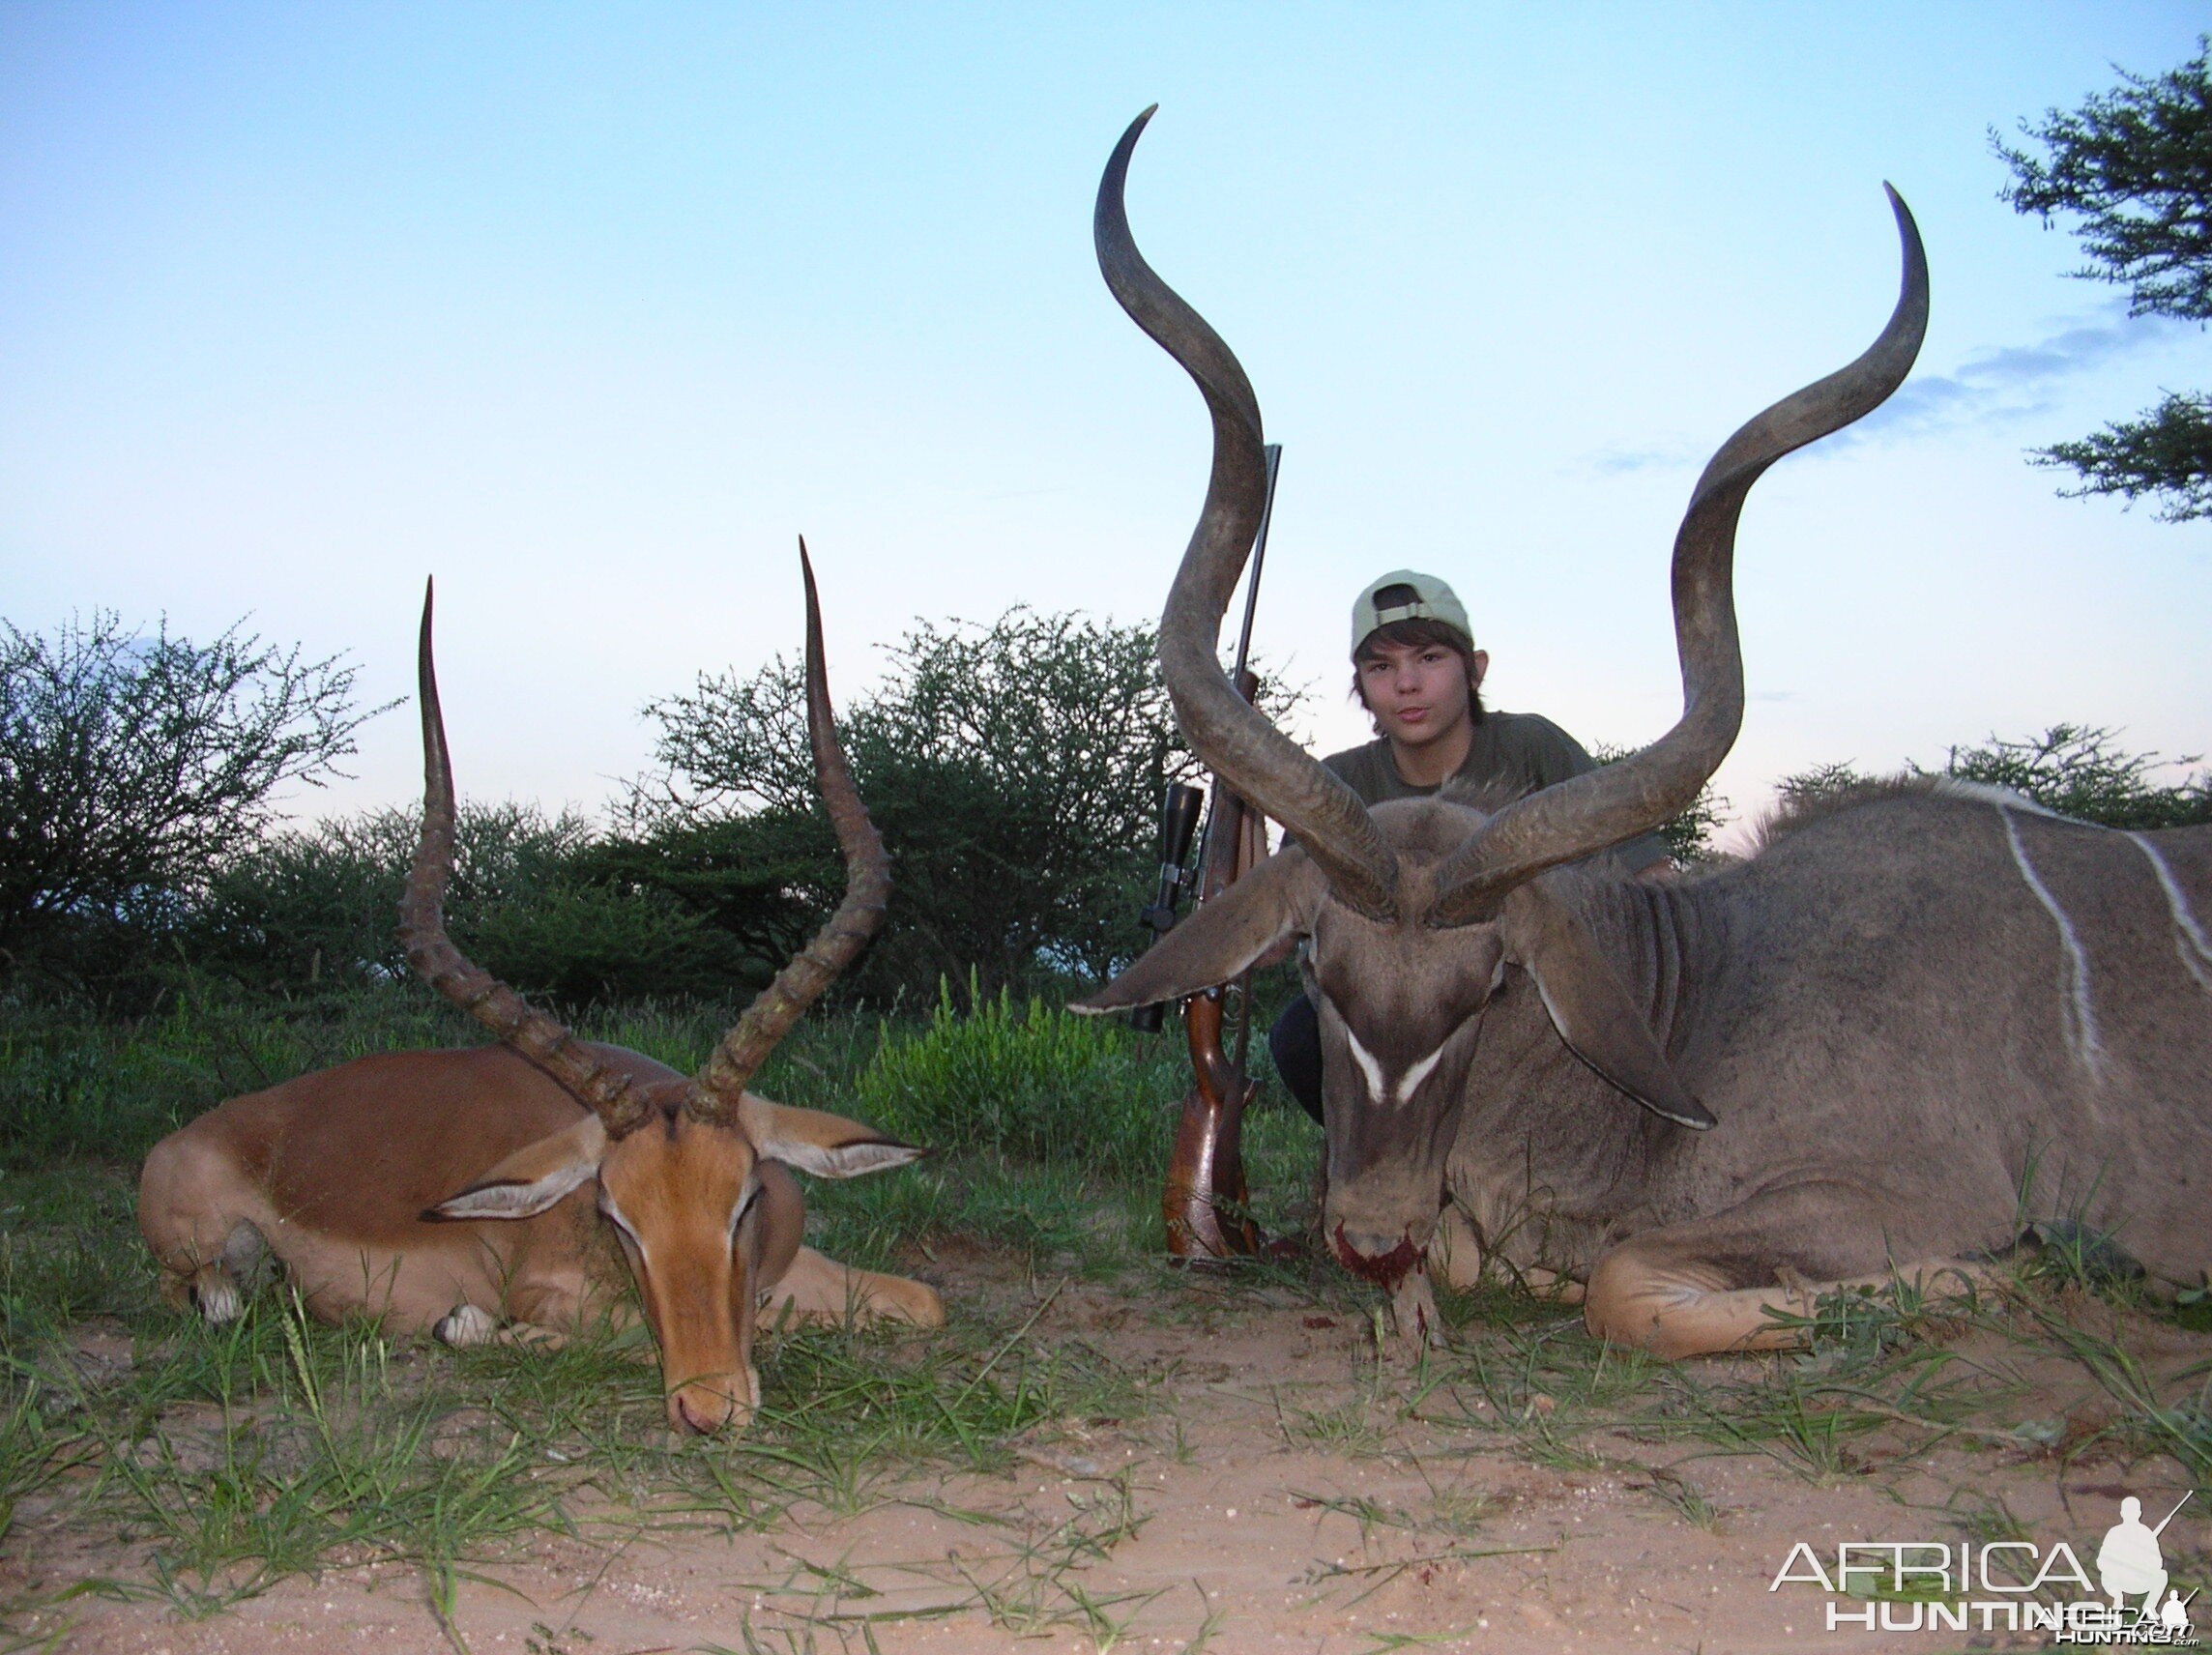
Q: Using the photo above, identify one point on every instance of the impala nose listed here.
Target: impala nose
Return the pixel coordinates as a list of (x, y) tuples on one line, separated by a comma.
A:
[(708, 1408)]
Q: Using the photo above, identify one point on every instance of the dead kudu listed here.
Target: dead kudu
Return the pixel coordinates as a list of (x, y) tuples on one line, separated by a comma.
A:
[(454, 1191), (1871, 1051)]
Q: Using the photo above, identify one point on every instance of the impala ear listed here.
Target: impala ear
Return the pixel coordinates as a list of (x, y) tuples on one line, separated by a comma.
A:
[(1276, 900), (817, 1142), (531, 1178), (1588, 1006)]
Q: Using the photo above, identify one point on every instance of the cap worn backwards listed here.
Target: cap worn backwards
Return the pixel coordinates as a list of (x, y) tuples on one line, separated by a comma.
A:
[(1430, 600)]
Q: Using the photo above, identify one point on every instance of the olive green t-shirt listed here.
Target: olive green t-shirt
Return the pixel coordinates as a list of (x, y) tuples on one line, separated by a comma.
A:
[(1519, 752)]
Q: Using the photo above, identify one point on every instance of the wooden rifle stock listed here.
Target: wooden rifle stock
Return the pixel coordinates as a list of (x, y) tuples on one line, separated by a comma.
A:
[(1205, 1200)]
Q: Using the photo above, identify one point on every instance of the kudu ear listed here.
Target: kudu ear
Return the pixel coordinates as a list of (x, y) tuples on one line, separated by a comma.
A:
[(817, 1142), (1588, 1006), (534, 1178), (1276, 900)]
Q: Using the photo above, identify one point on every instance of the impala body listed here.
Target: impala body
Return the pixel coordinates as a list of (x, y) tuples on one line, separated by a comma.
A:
[(1872, 1050), (515, 1192)]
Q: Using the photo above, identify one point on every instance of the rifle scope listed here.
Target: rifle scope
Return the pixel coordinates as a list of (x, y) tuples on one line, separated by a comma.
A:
[(1179, 823)]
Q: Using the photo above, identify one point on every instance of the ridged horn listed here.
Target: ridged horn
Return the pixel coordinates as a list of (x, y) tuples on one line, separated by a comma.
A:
[(715, 1091), (619, 1101), (1603, 808), (1235, 739)]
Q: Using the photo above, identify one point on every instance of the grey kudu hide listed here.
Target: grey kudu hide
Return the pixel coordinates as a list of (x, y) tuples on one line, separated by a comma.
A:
[(1869, 1051)]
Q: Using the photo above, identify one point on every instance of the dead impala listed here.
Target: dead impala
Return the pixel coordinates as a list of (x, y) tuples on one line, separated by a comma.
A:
[(1870, 1050), (461, 1192)]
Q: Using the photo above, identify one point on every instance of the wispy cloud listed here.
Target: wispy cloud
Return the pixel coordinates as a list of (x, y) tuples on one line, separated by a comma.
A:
[(2010, 382), (1614, 461), (1993, 385)]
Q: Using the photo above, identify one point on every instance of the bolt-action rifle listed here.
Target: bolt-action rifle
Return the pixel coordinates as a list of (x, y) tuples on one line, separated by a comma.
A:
[(1204, 1199), (1179, 822)]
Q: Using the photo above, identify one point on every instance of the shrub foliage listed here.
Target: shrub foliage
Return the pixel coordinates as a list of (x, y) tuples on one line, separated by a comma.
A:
[(1015, 770), (2076, 769), (131, 766), (2132, 167)]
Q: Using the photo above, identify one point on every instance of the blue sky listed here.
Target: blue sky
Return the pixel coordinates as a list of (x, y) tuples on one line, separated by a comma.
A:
[(591, 310)]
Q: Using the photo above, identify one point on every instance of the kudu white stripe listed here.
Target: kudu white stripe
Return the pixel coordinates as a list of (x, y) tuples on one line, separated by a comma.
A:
[(2188, 936), (2075, 1011)]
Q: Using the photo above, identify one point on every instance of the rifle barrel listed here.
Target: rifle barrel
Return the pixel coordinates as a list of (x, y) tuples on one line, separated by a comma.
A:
[(1274, 452)]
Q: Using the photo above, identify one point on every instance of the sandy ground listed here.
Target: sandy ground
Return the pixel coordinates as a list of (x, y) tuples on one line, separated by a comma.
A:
[(1224, 1520)]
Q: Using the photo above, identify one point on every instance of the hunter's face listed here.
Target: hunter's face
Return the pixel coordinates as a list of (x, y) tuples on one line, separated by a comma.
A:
[(1417, 693)]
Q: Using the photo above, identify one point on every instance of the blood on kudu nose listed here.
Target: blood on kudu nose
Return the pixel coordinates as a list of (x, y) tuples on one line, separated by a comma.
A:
[(1382, 1260)]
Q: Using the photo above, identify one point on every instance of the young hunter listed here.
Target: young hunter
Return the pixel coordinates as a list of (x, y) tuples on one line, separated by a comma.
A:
[(1416, 671)]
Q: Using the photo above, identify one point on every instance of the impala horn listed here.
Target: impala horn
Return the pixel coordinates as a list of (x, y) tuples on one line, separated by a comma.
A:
[(619, 1102), (715, 1093), (622, 1103)]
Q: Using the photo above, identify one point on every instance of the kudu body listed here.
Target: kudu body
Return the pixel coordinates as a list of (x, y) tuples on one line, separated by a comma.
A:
[(462, 1192), (1872, 1050)]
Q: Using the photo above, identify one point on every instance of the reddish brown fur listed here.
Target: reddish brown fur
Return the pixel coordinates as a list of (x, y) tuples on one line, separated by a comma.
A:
[(340, 1174)]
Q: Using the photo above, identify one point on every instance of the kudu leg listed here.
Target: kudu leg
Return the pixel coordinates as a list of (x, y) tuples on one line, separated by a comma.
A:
[(1714, 1284)]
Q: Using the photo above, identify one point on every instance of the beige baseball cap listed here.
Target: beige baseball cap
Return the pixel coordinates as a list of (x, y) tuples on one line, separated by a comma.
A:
[(1432, 600)]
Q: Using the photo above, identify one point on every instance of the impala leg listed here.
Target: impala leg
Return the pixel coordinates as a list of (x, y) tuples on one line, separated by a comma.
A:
[(1709, 1285), (466, 1326), (817, 1289), (204, 1223), (540, 1314)]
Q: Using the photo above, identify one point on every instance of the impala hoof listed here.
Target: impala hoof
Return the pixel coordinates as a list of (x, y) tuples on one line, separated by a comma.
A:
[(465, 1325), (218, 1296)]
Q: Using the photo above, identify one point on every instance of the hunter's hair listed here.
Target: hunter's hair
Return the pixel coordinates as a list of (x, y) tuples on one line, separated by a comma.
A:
[(1414, 634)]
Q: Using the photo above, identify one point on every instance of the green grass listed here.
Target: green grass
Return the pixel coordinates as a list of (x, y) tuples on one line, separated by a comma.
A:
[(224, 1459), (218, 1460), (73, 1083), (1887, 1378), (1047, 1131)]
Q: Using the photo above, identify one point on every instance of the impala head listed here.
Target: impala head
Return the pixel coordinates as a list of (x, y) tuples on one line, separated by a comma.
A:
[(1415, 910), (693, 1174)]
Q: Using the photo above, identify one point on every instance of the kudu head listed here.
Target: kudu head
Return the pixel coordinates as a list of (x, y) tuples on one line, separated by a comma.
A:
[(1415, 910), (692, 1173)]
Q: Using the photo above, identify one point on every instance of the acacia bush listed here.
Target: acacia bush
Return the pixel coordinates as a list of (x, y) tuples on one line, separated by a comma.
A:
[(1015, 770), (534, 899), (2133, 168), (1689, 835), (132, 766), (2077, 770)]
